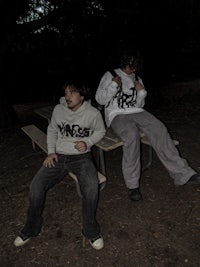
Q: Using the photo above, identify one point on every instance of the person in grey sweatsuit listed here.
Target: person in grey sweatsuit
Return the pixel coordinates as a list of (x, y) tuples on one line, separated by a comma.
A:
[(123, 96), (74, 128)]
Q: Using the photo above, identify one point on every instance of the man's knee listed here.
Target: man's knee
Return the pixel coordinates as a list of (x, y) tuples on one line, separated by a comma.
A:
[(90, 190)]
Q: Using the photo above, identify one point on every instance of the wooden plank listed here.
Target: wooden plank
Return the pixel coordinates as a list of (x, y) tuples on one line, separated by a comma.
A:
[(107, 144), (110, 141), (101, 177), (45, 112), (36, 135)]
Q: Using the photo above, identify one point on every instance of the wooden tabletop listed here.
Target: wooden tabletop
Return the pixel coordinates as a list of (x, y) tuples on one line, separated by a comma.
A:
[(45, 112)]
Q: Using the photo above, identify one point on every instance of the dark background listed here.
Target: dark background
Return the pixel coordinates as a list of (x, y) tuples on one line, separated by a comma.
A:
[(162, 231), (84, 39)]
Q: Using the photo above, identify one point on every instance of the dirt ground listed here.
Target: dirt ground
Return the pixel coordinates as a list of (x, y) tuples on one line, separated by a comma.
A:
[(163, 230)]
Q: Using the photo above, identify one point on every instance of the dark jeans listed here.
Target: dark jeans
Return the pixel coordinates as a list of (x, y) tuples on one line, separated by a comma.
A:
[(83, 167)]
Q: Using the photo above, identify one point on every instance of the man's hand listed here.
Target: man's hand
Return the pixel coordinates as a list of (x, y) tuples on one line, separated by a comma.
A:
[(138, 85), (80, 146), (49, 161), (117, 79)]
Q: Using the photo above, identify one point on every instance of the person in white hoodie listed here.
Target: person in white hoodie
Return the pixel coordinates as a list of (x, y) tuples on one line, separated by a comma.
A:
[(123, 96), (74, 128)]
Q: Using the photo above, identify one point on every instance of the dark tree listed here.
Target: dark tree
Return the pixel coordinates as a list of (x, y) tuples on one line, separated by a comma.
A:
[(84, 38)]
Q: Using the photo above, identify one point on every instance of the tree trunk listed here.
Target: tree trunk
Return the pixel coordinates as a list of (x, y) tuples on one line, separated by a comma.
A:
[(8, 116)]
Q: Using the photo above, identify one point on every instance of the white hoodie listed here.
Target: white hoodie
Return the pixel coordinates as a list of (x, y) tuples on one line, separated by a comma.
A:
[(116, 101), (67, 126)]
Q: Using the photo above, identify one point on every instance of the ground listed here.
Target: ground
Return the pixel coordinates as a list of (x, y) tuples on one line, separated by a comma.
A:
[(161, 231)]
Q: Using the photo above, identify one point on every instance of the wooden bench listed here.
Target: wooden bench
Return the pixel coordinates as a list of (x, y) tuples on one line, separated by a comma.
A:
[(38, 138)]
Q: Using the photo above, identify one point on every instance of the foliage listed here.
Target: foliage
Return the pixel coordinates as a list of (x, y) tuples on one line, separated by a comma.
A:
[(43, 42)]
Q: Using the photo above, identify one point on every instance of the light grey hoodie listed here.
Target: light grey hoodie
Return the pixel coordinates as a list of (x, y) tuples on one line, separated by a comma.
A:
[(118, 102), (67, 126)]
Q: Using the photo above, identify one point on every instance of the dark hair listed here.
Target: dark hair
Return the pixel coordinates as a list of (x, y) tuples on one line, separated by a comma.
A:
[(131, 60), (79, 87)]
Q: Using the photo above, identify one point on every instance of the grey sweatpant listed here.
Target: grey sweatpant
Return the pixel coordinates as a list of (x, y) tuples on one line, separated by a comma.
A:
[(127, 127)]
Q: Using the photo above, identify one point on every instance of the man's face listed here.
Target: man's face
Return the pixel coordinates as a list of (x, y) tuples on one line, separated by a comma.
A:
[(73, 98), (129, 70)]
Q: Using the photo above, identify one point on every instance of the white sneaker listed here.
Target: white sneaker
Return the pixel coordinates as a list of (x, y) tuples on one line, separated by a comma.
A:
[(20, 241), (97, 243)]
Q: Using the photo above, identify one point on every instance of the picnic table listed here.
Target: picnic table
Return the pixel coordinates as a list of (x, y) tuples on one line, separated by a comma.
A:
[(45, 112), (109, 142)]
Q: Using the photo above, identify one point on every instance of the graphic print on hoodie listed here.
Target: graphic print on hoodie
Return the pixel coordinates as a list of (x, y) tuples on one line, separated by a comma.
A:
[(67, 126)]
